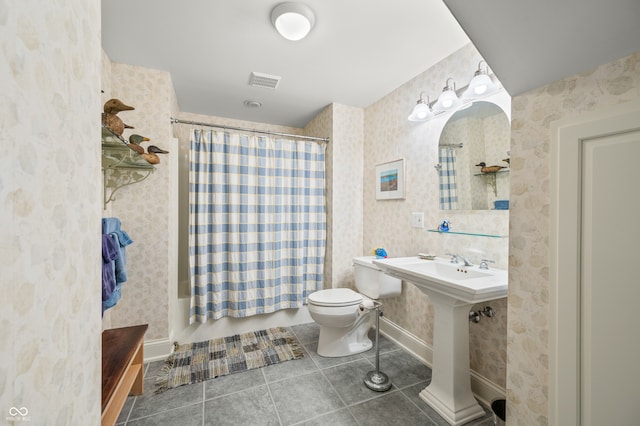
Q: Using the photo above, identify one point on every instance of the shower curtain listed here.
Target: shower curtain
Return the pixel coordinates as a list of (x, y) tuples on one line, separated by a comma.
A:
[(257, 223), (447, 175)]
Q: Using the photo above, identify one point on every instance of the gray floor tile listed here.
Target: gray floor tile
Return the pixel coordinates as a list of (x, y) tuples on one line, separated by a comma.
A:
[(154, 368), (306, 333), (403, 369), (288, 369), (393, 408), (231, 383), (150, 403), (304, 397), (249, 407), (336, 418), (310, 391), (190, 415), (348, 381)]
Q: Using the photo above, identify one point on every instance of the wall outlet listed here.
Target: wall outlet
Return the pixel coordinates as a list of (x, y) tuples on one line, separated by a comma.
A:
[(417, 220)]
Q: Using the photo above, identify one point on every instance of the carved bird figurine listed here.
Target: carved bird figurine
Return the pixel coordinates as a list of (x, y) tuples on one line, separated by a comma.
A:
[(134, 143), (110, 118), (151, 154), (489, 169), (507, 160)]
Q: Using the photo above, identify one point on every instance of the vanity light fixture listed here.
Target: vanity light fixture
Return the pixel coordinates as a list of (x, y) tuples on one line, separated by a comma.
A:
[(422, 110), (293, 20), (481, 84), (448, 99)]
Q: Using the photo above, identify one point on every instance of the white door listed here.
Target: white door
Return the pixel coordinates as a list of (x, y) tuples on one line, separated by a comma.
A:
[(610, 280), (595, 345)]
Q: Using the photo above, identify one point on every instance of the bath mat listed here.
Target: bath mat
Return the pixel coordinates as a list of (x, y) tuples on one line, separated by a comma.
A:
[(196, 362)]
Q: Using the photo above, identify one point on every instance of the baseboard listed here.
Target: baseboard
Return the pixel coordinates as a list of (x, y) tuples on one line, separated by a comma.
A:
[(483, 389), (156, 350)]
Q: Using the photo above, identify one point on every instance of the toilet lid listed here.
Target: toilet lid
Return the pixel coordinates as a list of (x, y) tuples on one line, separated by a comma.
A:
[(335, 297)]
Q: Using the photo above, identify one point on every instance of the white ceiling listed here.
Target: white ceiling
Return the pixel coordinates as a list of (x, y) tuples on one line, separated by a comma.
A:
[(531, 43), (359, 51)]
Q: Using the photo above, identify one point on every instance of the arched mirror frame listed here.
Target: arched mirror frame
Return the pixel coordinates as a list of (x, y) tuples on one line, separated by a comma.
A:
[(502, 100)]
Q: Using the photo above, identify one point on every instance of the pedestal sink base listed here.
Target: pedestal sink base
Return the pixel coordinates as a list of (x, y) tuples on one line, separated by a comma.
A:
[(459, 417), (449, 392)]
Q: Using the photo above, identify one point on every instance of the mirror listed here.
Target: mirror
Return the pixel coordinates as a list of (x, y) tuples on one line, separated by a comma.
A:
[(480, 133)]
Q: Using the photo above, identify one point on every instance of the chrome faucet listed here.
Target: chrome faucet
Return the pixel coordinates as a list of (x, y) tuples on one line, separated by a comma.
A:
[(466, 261), (454, 257)]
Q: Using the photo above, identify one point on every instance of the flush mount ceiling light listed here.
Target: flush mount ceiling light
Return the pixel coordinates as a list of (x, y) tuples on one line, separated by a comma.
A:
[(448, 99), (481, 84), (422, 110), (293, 20)]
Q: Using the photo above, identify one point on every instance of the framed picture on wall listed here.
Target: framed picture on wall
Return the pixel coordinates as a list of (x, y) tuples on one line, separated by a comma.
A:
[(390, 180)]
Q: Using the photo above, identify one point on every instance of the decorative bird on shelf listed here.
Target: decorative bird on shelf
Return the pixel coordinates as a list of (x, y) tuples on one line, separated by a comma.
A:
[(151, 154), (507, 160), (489, 169), (134, 143), (110, 118)]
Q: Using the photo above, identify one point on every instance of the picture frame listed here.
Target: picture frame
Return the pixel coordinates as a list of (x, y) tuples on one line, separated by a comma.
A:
[(389, 180)]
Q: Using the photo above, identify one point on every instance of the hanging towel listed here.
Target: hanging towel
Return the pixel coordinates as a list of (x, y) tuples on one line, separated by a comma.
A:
[(109, 255), (111, 227), (118, 239)]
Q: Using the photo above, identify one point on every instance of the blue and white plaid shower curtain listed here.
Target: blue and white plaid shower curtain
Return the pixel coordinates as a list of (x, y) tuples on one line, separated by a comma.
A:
[(257, 223), (447, 175)]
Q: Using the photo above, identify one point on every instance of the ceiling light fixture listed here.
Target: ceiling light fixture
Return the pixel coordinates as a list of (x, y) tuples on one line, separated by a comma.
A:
[(293, 20), (422, 110), (448, 99), (481, 84)]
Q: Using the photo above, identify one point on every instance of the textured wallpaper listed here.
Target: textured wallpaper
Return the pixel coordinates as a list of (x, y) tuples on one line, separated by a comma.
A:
[(143, 207), (50, 216), (533, 112), (344, 165), (390, 136)]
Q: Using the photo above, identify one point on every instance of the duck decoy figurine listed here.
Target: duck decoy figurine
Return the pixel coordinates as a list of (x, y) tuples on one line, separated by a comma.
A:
[(110, 118), (151, 154), (134, 143), (489, 169)]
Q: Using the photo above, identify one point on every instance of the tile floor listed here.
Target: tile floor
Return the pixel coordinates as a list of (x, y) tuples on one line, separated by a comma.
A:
[(309, 391)]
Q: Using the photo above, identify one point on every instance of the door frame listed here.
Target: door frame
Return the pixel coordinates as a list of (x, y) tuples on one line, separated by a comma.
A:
[(567, 136)]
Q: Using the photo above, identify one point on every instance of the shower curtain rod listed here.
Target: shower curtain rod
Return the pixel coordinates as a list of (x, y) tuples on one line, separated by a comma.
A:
[(265, 132)]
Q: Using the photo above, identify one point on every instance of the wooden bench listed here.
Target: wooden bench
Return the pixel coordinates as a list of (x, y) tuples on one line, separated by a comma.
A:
[(122, 368)]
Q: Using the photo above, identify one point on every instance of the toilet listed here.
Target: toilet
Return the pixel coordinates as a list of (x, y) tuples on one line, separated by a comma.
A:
[(343, 325)]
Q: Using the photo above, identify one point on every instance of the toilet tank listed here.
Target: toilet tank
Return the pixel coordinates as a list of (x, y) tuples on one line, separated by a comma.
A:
[(372, 282)]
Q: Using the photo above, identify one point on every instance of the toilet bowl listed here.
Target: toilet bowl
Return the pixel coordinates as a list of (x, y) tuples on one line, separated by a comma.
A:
[(343, 324)]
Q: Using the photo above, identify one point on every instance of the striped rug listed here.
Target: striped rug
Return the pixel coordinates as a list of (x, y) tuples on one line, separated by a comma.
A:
[(196, 362)]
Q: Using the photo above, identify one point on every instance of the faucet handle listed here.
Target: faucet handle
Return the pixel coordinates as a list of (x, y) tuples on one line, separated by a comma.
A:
[(454, 257), (483, 263)]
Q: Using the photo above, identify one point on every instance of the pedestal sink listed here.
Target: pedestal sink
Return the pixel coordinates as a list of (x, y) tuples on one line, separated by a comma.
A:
[(453, 289)]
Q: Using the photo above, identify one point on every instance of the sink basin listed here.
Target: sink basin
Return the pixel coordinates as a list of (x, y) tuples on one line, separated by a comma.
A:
[(452, 289), (468, 284)]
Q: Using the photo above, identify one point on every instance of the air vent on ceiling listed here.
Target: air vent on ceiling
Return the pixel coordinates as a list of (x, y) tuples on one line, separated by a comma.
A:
[(259, 79)]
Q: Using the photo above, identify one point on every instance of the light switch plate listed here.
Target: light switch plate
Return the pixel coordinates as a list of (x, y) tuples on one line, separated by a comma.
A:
[(417, 220)]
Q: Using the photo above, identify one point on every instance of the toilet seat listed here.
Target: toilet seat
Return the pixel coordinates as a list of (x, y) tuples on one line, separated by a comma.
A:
[(335, 297)]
